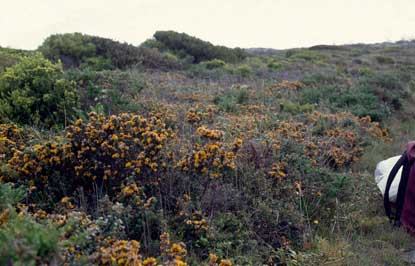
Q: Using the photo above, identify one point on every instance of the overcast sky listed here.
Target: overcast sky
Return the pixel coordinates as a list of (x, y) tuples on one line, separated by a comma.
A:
[(244, 23)]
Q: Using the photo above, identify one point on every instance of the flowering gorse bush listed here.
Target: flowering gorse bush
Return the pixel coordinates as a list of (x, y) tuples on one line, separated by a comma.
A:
[(210, 157), (101, 152)]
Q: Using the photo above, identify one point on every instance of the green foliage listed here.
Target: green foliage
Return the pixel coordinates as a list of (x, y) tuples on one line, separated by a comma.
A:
[(8, 58), (9, 195), (70, 48), (79, 50), (230, 100), (96, 63), (365, 71), (35, 92), (388, 86), (275, 65), (384, 59), (323, 47), (359, 100), (308, 55), (215, 63), (200, 50), (153, 43), (23, 241), (295, 108), (243, 70)]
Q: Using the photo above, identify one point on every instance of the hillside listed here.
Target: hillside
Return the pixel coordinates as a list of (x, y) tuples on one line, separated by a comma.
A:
[(180, 152)]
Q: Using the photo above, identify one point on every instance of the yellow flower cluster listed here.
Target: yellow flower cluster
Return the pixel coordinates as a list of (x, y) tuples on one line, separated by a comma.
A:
[(105, 149), (287, 85), (194, 221), (130, 190), (121, 253), (293, 130), (4, 216), (210, 159), (215, 261), (209, 133), (172, 254), (279, 171), (364, 123), (338, 143), (198, 222), (193, 116), (11, 140), (67, 202)]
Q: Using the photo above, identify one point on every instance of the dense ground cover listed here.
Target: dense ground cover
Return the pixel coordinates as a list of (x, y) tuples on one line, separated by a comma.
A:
[(160, 155)]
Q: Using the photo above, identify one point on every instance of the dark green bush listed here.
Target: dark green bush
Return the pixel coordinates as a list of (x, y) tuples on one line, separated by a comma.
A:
[(389, 88), (200, 50), (295, 108), (275, 65), (324, 47), (384, 59), (24, 242), (8, 57), (215, 63), (308, 55), (243, 70), (359, 100), (70, 48), (79, 50), (35, 92)]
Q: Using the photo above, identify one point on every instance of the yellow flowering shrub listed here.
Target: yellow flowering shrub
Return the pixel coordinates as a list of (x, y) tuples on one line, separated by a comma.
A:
[(190, 222), (210, 157), (287, 85), (172, 254), (328, 139), (121, 253), (193, 116), (102, 151), (11, 140)]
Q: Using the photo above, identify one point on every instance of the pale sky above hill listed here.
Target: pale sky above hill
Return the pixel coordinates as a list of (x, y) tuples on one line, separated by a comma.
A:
[(244, 23)]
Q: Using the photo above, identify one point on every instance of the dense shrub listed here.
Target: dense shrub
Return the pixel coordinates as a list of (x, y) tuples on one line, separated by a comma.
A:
[(76, 49), (26, 242), (200, 50), (35, 92), (70, 48), (295, 108), (9, 57), (359, 100), (243, 70), (215, 63), (98, 155), (276, 65), (389, 88), (384, 59)]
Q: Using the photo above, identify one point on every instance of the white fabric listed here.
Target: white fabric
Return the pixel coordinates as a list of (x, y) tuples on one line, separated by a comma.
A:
[(382, 171)]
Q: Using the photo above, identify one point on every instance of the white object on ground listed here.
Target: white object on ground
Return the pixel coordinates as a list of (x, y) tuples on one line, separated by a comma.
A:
[(382, 171)]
